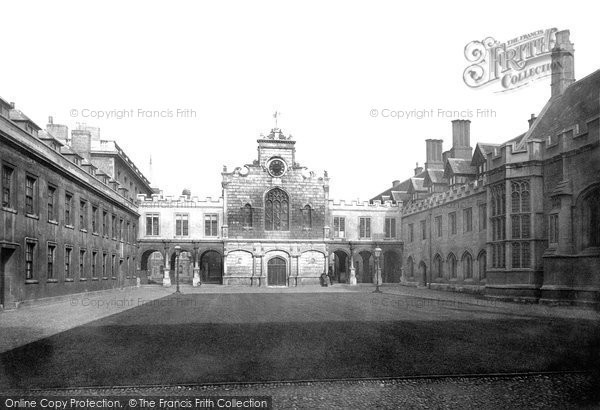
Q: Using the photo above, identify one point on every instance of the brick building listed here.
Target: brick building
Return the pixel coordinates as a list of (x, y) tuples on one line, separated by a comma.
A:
[(65, 226)]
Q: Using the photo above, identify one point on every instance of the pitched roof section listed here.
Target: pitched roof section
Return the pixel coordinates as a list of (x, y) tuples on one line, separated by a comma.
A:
[(46, 136), (481, 151), (579, 102), (18, 116), (458, 166), (434, 176), (416, 185)]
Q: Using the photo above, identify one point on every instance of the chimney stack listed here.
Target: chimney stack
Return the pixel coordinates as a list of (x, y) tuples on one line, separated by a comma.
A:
[(418, 169), (81, 143), (12, 105), (395, 183), (562, 65), (531, 120), (60, 132), (461, 139), (434, 154)]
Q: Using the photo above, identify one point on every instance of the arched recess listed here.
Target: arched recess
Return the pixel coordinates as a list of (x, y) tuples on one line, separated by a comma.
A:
[(467, 265), (391, 267), (211, 267), (423, 272), (152, 264), (438, 266), (482, 265), (451, 261), (277, 271), (185, 265), (340, 266)]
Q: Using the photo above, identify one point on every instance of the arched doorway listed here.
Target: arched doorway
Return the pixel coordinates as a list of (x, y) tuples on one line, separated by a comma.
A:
[(276, 272), (391, 267), (152, 262), (341, 266), (211, 267), (366, 274), (185, 266), (423, 273)]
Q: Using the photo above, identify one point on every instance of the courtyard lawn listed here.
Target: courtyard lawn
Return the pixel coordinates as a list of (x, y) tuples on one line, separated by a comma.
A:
[(243, 337)]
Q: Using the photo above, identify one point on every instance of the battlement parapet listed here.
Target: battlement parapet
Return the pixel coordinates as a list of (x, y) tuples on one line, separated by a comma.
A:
[(446, 198), (182, 201)]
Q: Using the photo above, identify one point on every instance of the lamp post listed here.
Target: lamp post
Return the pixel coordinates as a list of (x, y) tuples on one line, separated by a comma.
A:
[(377, 269), (177, 252)]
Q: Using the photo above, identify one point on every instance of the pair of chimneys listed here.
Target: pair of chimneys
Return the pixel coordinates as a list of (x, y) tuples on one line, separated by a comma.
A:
[(461, 146)]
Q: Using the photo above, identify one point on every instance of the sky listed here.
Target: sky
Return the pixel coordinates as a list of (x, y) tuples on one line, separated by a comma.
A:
[(331, 69)]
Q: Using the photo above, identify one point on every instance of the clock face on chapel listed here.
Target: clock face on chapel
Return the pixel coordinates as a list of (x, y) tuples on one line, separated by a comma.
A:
[(276, 167)]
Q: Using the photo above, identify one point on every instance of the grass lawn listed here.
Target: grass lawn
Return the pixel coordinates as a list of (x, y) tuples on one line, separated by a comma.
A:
[(205, 338)]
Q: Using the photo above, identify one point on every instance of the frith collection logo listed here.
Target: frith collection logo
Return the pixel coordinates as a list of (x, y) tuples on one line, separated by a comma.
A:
[(512, 64)]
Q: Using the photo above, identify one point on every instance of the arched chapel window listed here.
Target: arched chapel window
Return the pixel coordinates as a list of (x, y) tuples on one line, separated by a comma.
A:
[(277, 210)]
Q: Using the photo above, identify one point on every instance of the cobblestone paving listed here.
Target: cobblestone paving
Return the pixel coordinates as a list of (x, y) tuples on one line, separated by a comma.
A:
[(567, 390)]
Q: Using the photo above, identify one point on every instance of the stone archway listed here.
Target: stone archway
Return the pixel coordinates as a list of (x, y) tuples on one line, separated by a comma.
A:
[(185, 265), (276, 272), (341, 266), (153, 264), (211, 267)]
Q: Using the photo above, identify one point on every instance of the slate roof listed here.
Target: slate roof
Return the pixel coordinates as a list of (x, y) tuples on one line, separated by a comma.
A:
[(578, 103), (17, 115), (459, 166), (66, 150), (481, 151), (46, 136), (416, 185), (434, 176)]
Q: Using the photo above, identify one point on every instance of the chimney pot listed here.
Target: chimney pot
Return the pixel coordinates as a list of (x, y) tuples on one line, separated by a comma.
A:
[(418, 169), (50, 120), (562, 64), (461, 139), (531, 120)]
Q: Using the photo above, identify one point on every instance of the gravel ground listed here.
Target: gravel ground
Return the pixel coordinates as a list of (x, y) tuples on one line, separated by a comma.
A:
[(561, 390)]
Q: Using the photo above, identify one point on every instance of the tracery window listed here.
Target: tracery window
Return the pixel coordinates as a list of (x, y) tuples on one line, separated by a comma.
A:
[(277, 207), (521, 223)]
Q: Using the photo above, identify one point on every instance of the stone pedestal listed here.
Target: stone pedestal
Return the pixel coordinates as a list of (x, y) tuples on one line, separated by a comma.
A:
[(167, 279), (196, 279), (352, 276)]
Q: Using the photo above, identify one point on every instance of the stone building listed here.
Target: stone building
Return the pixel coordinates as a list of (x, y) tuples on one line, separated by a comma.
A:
[(518, 220), (65, 226), (274, 226), (192, 224)]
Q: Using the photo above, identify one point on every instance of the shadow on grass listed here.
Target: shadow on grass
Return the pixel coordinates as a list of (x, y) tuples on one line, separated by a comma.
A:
[(113, 354)]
